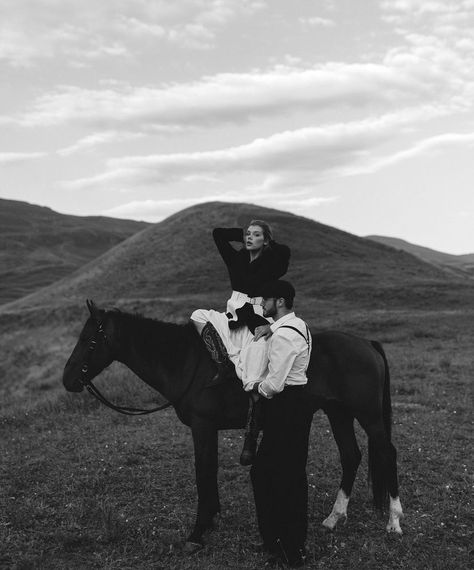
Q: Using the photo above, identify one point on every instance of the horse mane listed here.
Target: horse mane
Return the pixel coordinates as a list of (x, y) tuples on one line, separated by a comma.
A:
[(169, 340)]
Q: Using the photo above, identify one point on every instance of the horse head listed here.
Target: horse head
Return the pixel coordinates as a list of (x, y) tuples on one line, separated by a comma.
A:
[(94, 349)]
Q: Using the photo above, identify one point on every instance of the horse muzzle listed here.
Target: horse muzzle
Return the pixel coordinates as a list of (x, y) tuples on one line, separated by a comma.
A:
[(76, 387), (71, 381)]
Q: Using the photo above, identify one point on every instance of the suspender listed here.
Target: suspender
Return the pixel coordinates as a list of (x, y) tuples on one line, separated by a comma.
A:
[(308, 342)]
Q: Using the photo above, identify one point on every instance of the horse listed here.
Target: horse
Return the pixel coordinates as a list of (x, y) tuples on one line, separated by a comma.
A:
[(348, 378)]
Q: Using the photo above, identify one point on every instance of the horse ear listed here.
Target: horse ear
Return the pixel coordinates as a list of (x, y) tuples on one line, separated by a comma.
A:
[(93, 310)]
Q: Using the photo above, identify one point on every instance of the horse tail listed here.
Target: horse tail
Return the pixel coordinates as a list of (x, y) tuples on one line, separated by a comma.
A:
[(386, 398), (377, 459)]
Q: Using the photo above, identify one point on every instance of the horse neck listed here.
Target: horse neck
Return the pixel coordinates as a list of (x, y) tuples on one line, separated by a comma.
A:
[(157, 352)]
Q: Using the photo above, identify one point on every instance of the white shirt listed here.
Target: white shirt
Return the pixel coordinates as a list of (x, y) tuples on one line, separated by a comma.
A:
[(288, 354)]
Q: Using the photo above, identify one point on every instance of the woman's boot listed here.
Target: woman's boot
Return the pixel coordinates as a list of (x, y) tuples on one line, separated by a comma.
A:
[(218, 352), (252, 430)]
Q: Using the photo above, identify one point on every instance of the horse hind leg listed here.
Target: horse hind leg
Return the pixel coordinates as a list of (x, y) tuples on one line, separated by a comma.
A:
[(342, 425), (383, 472), (395, 507)]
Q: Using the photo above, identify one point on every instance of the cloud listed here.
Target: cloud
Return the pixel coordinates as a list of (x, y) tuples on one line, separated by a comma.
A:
[(32, 30), (436, 38), (412, 8), (318, 22), (91, 141), (446, 19), (402, 79), (427, 65), (427, 146), (157, 210), (15, 157), (303, 156)]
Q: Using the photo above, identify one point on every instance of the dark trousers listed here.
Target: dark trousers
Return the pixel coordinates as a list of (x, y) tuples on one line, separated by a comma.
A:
[(278, 473)]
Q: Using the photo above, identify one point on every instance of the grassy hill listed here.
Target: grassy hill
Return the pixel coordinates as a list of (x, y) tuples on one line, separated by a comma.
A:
[(39, 246), (462, 265), (173, 267), (177, 259)]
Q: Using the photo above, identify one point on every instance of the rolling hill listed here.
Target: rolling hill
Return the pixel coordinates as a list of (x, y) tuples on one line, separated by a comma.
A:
[(39, 246), (456, 264), (170, 268), (177, 259)]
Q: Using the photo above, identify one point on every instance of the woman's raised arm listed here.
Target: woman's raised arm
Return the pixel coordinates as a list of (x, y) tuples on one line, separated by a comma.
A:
[(223, 237)]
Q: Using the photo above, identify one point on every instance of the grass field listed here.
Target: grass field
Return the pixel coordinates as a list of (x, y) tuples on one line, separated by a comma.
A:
[(83, 487)]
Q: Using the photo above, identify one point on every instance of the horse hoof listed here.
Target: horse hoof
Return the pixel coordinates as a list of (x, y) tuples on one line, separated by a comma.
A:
[(192, 547), (329, 523), (333, 519), (394, 530)]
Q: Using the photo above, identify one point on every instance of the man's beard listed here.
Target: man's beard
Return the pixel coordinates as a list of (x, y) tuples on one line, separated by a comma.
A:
[(270, 312)]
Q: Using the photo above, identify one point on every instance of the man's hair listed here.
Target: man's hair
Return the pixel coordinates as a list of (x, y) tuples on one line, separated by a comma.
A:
[(279, 289)]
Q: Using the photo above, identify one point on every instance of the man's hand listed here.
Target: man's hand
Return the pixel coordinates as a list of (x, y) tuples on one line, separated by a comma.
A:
[(262, 331), (254, 393)]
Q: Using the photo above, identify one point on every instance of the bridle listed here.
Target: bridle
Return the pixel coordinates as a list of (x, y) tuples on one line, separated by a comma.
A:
[(87, 383)]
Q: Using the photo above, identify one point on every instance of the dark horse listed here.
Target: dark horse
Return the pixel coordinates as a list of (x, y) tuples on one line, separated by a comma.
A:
[(348, 378)]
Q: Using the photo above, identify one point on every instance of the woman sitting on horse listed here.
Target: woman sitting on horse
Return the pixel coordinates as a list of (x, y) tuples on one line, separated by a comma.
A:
[(229, 335)]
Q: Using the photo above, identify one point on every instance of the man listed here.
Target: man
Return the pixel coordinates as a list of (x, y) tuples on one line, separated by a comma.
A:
[(278, 473)]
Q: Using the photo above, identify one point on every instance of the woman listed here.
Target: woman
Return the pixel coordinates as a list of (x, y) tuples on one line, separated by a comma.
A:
[(229, 335), (260, 260)]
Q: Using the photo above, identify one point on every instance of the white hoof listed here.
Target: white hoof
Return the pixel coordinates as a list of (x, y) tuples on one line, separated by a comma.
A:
[(394, 528), (192, 547), (396, 513), (339, 511), (331, 521)]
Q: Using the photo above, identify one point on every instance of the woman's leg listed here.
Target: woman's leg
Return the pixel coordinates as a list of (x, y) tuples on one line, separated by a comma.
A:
[(218, 353), (199, 318), (199, 325)]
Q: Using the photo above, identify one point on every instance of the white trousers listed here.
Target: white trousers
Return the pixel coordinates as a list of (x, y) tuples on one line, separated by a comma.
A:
[(249, 358)]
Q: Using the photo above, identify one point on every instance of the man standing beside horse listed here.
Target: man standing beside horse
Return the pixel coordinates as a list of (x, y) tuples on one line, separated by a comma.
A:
[(278, 473)]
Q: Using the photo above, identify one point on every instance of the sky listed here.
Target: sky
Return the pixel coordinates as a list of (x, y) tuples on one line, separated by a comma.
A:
[(359, 115)]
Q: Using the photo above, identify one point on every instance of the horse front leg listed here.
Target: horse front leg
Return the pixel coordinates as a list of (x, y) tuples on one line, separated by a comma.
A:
[(205, 456)]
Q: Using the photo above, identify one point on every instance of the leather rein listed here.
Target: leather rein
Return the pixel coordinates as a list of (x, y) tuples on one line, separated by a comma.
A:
[(127, 410)]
